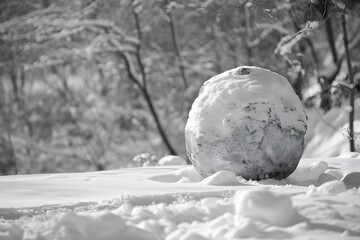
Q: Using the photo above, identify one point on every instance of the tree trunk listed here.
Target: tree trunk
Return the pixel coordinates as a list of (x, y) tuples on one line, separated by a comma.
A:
[(248, 35), (216, 49), (157, 121), (12, 153), (14, 84), (331, 40), (143, 85), (177, 46), (352, 89), (325, 96), (326, 81)]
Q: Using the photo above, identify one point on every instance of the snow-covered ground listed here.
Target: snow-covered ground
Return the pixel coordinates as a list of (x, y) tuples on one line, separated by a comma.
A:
[(327, 133), (320, 200)]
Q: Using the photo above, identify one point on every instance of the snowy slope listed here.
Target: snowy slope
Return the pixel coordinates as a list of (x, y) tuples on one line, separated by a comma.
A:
[(329, 136), (321, 200)]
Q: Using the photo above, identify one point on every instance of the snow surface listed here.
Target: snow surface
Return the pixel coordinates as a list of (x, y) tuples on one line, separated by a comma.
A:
[(320, 200), (171, 160), (329, 137)]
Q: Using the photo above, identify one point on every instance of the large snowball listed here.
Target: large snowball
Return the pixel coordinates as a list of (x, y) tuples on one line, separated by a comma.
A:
[(247, 120)]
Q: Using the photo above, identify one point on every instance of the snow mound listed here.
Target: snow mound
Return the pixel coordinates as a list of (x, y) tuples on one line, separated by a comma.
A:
[(352, 180), (326, 177), (344, 168), (309, 172), (247, 120), (9, 231), (222, 178), (80, 227), (246, 228), (265, 206), (171, 160), (328, 188), (187, 174), (336, 173)]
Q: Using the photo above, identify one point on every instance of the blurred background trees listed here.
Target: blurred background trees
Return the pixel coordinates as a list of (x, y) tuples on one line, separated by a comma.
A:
[(88, 85)]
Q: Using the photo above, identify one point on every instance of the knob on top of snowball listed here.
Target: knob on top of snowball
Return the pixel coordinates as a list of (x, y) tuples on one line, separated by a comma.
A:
[(243, 71), (247, 120)]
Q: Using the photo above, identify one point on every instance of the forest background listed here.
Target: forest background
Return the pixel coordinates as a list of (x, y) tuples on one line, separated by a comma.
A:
[(91, 85)]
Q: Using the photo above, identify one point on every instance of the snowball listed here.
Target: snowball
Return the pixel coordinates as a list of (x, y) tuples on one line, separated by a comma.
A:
[(171, 160), (247, 120), (265, 206), (222, 178)]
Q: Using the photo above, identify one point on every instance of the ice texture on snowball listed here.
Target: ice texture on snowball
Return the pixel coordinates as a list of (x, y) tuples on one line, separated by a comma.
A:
[(228, 97), (247, 120)]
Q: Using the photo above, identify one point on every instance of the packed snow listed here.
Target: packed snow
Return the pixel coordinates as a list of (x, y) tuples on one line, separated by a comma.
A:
[(229, 93), (320, 200), (244, 90)]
